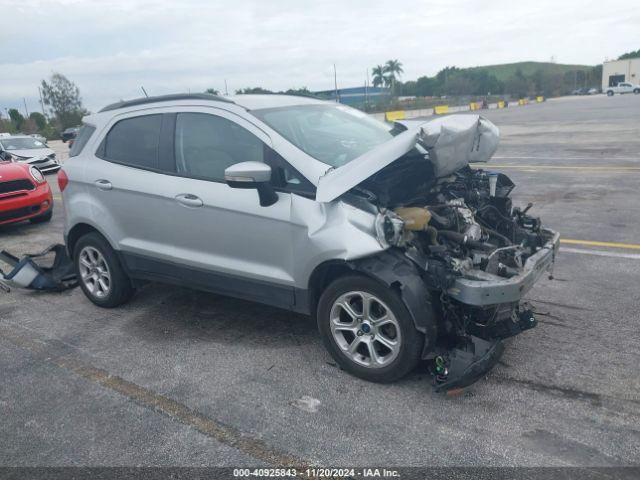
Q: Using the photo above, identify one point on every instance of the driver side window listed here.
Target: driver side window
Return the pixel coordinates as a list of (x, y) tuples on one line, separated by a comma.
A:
[(205, 145)]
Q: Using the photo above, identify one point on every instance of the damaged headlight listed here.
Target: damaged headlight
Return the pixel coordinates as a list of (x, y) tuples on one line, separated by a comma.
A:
[(389, 229)]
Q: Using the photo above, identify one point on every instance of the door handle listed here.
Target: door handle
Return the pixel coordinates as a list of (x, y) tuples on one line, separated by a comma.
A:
[(189, 200), (103, 184)]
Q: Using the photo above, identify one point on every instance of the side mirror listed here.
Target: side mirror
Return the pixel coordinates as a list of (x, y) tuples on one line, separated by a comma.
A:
[(252, 175)]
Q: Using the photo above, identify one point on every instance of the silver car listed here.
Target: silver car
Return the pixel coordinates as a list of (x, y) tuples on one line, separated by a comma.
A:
[(27, 149), (384, 233)]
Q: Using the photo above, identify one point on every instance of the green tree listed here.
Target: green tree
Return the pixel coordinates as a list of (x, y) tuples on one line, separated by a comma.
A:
[(628, 55), (62, 96), (378, 76), (39, 119), (393, 69), (249, 90), (16, 119), (212, 91), (302, 92)]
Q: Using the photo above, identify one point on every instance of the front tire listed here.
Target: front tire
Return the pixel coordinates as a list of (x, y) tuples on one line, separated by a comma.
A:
[(636, 91), (100, 274), (368, 330), (609, 93)]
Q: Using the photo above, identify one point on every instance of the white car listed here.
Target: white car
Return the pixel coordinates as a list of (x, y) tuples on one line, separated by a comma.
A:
[(27, 149), (623, 87)]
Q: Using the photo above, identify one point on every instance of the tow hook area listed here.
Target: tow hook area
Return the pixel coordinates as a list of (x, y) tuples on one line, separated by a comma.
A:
[(465, 364), (520, 321)]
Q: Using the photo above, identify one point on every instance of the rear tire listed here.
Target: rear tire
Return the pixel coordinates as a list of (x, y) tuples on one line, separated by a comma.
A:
[(44, 218), (100, 274), (378, 343), (609, 93), (636, 91)]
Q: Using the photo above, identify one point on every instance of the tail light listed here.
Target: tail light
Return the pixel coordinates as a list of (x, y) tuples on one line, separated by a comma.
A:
[(63, 180)]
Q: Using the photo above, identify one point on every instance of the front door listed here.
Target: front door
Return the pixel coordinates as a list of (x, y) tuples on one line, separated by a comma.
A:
[(223, 234)]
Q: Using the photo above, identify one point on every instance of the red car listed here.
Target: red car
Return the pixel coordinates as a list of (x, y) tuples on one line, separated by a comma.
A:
[(24, 194)]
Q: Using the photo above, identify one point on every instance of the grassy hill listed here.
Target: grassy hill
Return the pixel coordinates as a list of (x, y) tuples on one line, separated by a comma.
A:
[(506, 70)]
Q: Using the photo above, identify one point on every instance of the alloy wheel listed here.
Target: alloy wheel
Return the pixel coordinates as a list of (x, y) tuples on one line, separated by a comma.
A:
[(365, 329), (94, 272)]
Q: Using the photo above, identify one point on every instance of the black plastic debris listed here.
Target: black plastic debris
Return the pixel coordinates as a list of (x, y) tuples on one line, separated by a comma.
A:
[(30, 270)]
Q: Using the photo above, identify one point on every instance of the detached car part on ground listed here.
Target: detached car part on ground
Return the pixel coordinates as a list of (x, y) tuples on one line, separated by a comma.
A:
[(386, 235)]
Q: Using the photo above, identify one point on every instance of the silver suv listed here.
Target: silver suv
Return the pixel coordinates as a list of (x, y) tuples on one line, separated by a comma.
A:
[(384, 233)]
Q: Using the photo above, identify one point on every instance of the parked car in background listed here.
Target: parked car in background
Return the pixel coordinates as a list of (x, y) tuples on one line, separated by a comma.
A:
[(24, 194), (398, 248), (593, 91), (69, 133), (26, 149), (580, 91), (39, 137), (622, 88)]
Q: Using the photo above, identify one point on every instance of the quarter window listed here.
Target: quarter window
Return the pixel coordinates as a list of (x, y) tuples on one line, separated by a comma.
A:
[(205, 145), (134, 141), (81, 140)]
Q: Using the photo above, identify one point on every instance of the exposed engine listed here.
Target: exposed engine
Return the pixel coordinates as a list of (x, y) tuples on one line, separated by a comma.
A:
[(464, 226), (474, 251)]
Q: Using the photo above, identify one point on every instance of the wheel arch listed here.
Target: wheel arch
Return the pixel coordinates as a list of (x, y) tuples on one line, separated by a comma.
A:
[(78, 231), (394, 271)]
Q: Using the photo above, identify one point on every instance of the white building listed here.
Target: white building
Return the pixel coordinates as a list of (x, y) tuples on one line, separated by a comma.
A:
[(617, 71)]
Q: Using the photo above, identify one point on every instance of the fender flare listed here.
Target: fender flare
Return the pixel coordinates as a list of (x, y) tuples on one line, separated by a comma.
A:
[(400, 274)]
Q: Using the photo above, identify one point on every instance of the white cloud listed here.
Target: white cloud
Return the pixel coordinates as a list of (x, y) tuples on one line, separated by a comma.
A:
[(110, 48)]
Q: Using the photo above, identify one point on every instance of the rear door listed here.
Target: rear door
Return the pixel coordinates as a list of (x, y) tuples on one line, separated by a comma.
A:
[(126, 180)]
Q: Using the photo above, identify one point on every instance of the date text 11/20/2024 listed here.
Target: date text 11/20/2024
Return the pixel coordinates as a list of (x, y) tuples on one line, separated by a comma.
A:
[(316, 472)]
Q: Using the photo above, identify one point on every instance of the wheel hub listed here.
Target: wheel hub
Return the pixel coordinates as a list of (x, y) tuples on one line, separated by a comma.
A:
[(365, 329)]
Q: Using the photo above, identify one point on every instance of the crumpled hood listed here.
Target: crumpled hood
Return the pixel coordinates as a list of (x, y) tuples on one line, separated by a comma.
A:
[(452, 143), (32, 152)]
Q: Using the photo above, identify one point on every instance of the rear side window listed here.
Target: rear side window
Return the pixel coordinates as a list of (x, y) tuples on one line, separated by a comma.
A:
[(81, 140), (134, 142)]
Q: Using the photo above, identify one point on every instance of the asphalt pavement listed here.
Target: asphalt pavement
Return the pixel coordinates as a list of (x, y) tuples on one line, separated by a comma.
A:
[(179, 377)]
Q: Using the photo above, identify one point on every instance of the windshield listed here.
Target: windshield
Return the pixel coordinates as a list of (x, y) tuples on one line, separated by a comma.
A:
[(22, 143), (333, 134)]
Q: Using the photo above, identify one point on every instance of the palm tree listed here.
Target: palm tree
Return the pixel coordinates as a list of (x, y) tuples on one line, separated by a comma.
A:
[(379, 78), (393, 68)]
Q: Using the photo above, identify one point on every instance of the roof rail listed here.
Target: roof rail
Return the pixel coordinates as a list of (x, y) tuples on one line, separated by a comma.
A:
[(165, 98)]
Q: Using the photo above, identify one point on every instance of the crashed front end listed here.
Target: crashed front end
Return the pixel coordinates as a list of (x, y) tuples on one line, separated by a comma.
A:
[(476, 253)]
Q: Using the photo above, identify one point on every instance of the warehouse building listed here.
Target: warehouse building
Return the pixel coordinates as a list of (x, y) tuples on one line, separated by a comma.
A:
[(618, 71)]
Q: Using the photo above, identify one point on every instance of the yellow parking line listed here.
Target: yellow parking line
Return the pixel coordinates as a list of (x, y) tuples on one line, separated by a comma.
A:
[(593, 243), (567, 167)]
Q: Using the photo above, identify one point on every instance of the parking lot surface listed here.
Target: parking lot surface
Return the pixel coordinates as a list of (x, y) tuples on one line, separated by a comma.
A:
[(179, 377)]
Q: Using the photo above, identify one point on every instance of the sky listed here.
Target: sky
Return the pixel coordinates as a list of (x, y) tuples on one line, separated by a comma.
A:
[(111, 48)]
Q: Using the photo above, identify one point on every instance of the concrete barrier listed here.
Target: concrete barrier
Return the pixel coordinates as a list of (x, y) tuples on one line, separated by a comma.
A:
[(540, 99), (395, 115), (475, 106), (440, 109), (501, 104)]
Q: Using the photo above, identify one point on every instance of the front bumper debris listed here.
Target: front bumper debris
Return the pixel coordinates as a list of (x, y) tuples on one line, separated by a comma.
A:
[(27, 273), (468, 363), (487, 289)]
